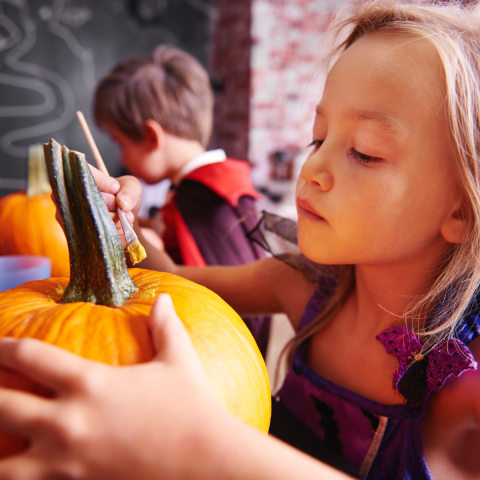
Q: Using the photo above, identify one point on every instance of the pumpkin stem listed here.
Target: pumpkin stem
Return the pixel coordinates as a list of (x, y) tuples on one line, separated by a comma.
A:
[(37, 172), (98, 272)]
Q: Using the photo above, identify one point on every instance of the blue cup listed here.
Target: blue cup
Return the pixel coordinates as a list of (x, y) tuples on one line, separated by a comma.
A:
[(18, 269)]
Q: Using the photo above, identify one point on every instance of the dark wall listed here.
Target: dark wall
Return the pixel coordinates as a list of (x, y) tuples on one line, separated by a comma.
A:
[(53, 52)]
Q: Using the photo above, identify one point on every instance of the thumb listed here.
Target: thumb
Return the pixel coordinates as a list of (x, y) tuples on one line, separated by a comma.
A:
[(170, 339)]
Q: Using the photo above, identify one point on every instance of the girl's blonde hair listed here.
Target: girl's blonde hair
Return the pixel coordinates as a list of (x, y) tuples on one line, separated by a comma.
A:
[(454, 30)]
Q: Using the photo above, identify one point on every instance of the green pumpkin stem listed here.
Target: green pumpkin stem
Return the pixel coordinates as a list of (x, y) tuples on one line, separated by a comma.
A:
[(37, 172), (98, 272)]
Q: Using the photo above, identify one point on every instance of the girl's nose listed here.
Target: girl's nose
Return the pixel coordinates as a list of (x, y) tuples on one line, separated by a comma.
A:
[(316, 171)]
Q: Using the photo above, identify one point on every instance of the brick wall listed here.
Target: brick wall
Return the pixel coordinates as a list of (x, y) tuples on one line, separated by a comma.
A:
[(285, 75), (265, 66), (230, 72)]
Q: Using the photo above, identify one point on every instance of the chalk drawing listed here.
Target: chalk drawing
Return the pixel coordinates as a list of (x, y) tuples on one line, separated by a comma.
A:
[(17, 39), (77, 17), (54, 95), (203, 7)]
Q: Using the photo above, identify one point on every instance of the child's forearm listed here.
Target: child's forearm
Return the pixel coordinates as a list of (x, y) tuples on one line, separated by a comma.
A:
[(157, 259), (245, 288), (248, 454), (264, 286)]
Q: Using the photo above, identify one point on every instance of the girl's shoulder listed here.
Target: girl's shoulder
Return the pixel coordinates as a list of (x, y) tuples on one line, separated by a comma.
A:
[(464, 389), (419, 374)]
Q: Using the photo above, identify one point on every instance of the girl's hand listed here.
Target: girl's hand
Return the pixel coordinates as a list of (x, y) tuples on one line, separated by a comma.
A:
[(124, 192), (104, 422)]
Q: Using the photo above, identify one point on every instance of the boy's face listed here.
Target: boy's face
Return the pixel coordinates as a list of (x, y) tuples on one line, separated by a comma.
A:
[(139, 158), (378, 186)]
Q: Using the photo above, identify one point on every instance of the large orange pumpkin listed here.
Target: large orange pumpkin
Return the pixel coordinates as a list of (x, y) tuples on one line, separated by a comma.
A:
[(27, 220), (102, 312)]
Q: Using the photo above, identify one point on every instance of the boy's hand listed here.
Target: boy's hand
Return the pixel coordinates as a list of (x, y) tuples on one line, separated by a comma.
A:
[(124, 423)]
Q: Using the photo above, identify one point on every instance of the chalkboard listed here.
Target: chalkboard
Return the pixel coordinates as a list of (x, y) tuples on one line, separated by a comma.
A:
[(53, 52)]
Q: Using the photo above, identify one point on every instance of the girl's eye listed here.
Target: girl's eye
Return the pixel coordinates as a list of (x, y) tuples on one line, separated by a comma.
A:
[(363, 159), (315, 143)]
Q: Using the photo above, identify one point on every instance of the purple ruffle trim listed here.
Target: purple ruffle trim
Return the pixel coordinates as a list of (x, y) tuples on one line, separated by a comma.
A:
[(449, 358)]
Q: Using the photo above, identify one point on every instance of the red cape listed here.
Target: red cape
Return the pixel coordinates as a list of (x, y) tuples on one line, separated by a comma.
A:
[(230, 180)]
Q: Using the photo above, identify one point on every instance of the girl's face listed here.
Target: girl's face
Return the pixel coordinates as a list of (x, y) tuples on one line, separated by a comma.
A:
[(378, 186)]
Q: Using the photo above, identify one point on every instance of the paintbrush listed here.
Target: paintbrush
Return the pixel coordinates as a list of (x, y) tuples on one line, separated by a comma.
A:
[(134, 247)]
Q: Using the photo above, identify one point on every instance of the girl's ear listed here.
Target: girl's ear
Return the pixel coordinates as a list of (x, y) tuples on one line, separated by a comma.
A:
[(154, 135), (454, 227)]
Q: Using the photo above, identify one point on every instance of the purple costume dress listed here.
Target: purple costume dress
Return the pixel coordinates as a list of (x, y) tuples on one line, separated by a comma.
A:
[(362, 437)]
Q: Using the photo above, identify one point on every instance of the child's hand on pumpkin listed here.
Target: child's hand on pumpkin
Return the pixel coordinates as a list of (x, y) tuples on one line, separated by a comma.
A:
[(140, 421)]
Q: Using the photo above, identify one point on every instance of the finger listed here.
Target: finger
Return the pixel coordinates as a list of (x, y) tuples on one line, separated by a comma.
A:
[(130, 218), (110, 201), (170, 338), (119, 228), (24, 467), (121, 234), (116, 219), (46, 365), (129, 196), (104, 182), (21, 413)]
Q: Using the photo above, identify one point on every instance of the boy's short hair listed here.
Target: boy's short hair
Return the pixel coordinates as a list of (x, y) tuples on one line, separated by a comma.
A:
[(170, 87)]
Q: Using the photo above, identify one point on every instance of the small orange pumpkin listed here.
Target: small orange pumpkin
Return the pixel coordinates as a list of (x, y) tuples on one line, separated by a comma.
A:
[(27, 220), (102, 312)]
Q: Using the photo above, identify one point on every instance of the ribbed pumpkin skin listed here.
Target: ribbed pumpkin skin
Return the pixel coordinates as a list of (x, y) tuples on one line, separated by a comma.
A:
[(28, 227), (120, 336)]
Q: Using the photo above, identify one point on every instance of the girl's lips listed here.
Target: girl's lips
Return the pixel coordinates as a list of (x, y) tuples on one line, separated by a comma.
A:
[(306, 210)]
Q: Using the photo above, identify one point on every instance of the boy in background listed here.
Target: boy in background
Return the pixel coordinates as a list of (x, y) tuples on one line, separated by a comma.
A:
[(159, 110)]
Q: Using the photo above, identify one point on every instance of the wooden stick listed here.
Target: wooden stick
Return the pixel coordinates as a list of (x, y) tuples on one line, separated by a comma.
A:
[(91, 142)]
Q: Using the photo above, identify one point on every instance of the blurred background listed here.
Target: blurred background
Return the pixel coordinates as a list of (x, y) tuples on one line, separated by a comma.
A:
[(263, 57)]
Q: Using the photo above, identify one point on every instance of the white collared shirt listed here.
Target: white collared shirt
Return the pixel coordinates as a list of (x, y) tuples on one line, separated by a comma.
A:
[(206, 158)]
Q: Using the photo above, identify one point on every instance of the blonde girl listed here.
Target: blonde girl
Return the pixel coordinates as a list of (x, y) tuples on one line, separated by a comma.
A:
[(383, 363)]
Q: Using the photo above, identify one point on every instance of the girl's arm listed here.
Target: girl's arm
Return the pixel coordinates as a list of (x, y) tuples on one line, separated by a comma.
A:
[(158, 420), (263, 286)]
